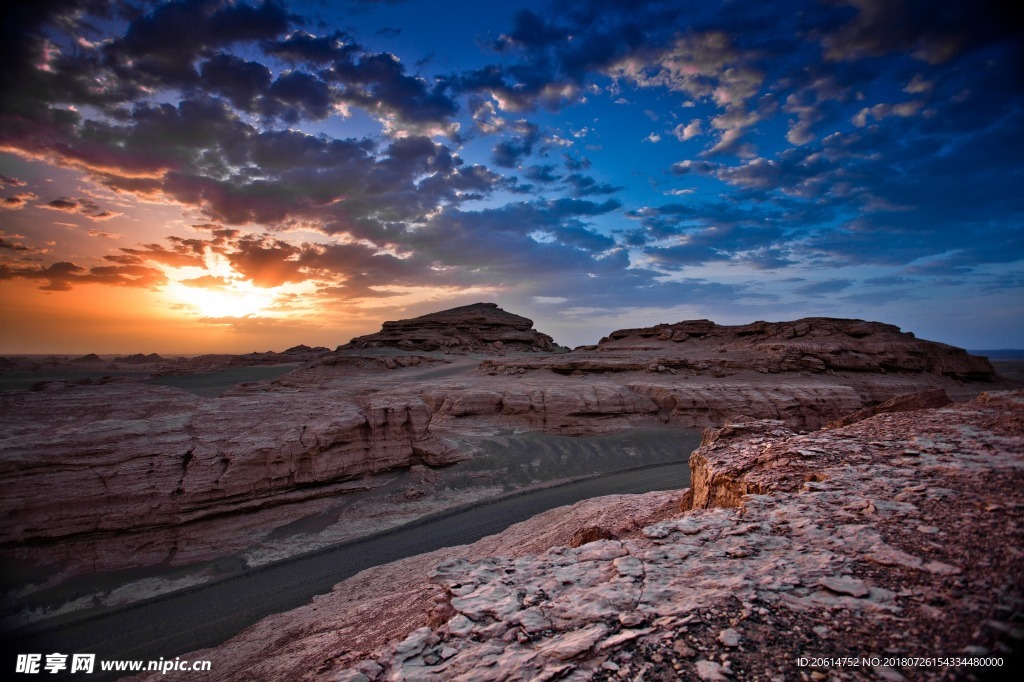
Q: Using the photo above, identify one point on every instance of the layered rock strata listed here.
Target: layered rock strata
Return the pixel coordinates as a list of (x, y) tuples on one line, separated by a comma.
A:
[(477, 327), (810, 345), (150, 474), (895, 541), (134, 463), (599, 404)]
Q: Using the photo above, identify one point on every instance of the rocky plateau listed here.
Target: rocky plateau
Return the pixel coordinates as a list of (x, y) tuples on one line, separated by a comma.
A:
[(109, 472), (888, 547), (477, 327)]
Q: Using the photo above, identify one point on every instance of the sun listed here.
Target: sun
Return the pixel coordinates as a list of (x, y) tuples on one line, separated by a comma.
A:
[(234, 299)]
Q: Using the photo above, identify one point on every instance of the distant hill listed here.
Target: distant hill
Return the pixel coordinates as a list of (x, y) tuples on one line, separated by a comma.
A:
[(1001, 354), (480, 327)]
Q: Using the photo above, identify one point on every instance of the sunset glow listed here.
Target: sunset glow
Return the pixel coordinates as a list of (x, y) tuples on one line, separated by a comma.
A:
[(237, 299), (247, 174)]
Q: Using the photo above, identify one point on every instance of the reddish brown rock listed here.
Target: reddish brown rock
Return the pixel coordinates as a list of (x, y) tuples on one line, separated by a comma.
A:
[(811, 345), (895, 535), (806, 372), (478, 327), (143, 466), (364, 612), (588, 534), (152, 475), (922, 400), (544, 405)]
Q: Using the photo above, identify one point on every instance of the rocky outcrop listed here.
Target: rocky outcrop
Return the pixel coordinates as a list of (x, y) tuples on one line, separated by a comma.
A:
[(599, 405), (138, 358), (922, 400), (140, 466), (88, 359), (805, 373), (567, 410), (878, 541), (361, 614), (151, 475), (480, 327), (810, 345)]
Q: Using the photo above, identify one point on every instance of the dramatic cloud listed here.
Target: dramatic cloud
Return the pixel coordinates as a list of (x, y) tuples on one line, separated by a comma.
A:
[(580, 156), (63, 276)]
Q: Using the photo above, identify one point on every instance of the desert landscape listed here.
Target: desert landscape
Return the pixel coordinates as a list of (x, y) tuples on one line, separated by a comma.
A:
[(568, 340), (179, 474)]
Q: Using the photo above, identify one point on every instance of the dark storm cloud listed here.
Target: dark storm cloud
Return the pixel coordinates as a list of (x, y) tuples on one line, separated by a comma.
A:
[(347, 75), (242, 82), (188, 46), (202, 154), (302, 47), (544, 173), (296, 95), (509, 153), (933, 32), (379, 84), (163, 45)]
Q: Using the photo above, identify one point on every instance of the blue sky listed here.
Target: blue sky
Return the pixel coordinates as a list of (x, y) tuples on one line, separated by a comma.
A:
[(212, 175)]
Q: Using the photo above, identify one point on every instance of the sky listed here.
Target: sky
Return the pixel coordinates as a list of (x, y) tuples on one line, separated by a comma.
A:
[(217, 176)]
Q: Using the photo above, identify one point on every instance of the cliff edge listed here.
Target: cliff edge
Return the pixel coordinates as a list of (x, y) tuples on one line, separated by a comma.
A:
[(894, 542)]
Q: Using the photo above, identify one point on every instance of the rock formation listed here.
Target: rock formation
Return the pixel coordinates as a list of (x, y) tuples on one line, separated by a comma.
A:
[(86, 359), (894, 542), (138, 358), (935, 397), (812, 345), (133, 465), (150, 475), (477, 327)]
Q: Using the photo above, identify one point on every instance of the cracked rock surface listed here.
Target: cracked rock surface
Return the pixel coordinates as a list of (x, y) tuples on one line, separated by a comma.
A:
[(898, 536)]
